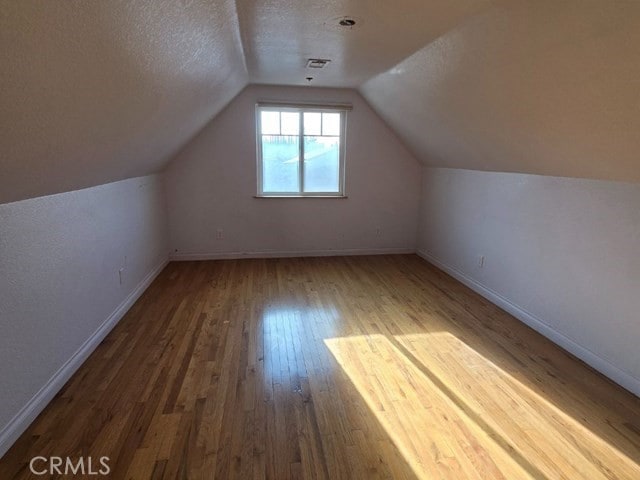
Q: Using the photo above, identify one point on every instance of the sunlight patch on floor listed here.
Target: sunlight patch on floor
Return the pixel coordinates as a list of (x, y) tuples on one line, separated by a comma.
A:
[(423, 424), (487, 388), (453, 413)]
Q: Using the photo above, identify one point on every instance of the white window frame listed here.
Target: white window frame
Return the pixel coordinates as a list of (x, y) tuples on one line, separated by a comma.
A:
[(302, 108)]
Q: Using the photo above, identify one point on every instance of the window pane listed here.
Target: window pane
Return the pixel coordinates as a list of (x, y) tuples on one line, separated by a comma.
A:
[(322, 164), (270, 123), (280, 165), (290, 123), (312, 123), (331, 124)]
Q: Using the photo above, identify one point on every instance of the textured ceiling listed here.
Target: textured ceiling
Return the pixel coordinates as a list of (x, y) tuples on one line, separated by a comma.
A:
[(97, 91), (92, 92), (549, 87), (279, 36)]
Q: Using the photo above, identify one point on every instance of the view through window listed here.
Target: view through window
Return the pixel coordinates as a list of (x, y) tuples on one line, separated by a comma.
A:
[(300, 151)]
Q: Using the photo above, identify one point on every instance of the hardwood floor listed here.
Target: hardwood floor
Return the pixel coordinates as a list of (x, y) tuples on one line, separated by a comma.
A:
[(353, 367)]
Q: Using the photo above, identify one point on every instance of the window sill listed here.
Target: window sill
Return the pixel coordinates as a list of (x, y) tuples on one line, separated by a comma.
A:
[(301, 196)]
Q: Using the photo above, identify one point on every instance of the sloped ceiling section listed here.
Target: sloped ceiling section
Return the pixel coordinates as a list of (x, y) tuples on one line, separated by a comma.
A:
[(541, 86), (97, 91)]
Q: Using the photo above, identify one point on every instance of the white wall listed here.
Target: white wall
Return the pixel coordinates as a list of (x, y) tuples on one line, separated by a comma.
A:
[(59, 284), (561, 254), (212, 183)]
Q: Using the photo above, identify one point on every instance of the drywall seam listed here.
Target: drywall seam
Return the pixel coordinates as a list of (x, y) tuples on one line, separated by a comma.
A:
[(290, 253), (19, 423), (612, 372)]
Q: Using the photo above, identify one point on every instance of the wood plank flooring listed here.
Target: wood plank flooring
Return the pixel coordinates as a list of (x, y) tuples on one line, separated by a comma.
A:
[(332, 368)]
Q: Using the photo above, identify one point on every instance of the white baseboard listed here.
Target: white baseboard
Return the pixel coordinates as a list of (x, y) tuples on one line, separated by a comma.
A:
[(19, 423), (289, 253), (614, 373)]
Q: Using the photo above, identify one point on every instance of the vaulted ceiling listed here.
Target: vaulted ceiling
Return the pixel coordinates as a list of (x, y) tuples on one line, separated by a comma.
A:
[(92, 92), (280, 35), (97, 91), (549, 87)]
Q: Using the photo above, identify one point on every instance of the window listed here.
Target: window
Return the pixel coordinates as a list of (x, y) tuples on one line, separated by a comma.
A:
[(300, 150)]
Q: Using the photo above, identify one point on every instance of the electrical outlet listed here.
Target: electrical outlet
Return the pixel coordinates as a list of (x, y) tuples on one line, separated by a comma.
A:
[(219, 234), (121, 275), (481, 261)]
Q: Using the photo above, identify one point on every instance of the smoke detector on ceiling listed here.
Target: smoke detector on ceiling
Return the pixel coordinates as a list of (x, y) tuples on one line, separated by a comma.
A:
[(348, 22), (344, 22), (317, 62)]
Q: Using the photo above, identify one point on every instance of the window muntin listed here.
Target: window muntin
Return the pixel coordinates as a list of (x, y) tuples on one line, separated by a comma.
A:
[(300, 151)]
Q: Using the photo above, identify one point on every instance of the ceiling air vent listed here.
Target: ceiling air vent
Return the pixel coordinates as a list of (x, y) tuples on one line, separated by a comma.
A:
[(317, 62)]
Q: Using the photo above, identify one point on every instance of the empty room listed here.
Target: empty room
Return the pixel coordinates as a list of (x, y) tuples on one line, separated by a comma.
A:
[(265, 239)]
